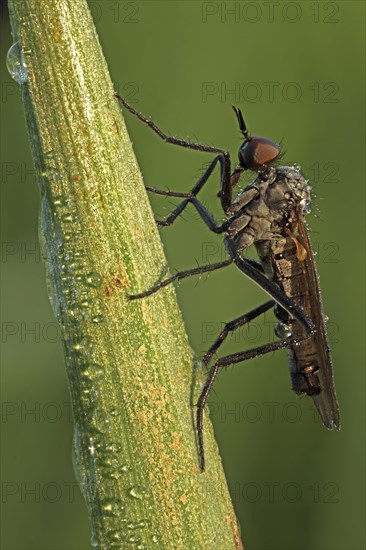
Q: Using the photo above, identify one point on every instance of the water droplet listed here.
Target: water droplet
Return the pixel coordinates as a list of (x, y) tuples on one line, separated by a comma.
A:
[(282, 330), (89, 393), (61, 200), (112, 507), (130, 524), (137, 492), (143, 523), (114, 412), (109, 448), (85, 346), (92, 372), (115, 538), (67, 218), (92, 279), (49, 154), (134, 539), (108, 468), (15, 63), (91, 446), (98, 319), (77, 313)]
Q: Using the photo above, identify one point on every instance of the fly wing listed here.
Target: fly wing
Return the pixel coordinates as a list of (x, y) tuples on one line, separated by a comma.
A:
[(326, 401)]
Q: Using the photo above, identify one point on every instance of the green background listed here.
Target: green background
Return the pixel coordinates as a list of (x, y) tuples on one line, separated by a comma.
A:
[(297, 71)]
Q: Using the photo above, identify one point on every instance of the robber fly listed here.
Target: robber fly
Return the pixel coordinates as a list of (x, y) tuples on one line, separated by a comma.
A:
[(269, 214)]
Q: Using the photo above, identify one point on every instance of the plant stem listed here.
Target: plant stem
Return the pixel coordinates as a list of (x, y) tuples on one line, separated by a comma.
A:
[(129, 364)]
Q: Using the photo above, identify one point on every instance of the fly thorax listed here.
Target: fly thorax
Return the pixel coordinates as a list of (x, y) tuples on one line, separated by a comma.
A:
[(298, 188), (262, 209)]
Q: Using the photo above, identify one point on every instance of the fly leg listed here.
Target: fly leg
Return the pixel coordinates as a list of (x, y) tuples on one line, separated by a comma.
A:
[(228, 327), (248, 267), (232, 359), (251, 269), (233, 325), (252, 264), (223, 157), (181, 275), (191, 198)]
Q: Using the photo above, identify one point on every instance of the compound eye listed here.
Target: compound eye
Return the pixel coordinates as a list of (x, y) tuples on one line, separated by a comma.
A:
[(257, 152)]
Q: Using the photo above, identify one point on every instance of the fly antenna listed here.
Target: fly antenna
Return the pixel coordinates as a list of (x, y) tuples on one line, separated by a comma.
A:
[(241, 122)]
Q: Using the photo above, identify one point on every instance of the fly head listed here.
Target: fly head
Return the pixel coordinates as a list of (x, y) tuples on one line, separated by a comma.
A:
[(255, 153)]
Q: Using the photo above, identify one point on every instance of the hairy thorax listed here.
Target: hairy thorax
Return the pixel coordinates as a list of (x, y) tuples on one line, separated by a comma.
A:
[(263, 209)]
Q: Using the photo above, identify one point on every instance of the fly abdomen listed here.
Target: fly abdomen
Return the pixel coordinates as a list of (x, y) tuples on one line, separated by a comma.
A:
[(305, 379)]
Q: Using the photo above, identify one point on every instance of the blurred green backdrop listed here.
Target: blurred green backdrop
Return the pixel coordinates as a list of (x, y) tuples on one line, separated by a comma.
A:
[(297, 71)]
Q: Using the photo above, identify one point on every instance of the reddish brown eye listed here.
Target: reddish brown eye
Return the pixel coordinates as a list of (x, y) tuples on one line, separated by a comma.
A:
[(258, 151)]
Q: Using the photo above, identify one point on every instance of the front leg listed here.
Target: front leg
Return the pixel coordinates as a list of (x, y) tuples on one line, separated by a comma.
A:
[(222, 156)]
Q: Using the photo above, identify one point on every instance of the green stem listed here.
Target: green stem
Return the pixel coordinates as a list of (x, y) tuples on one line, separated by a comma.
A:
[(129, 364)]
